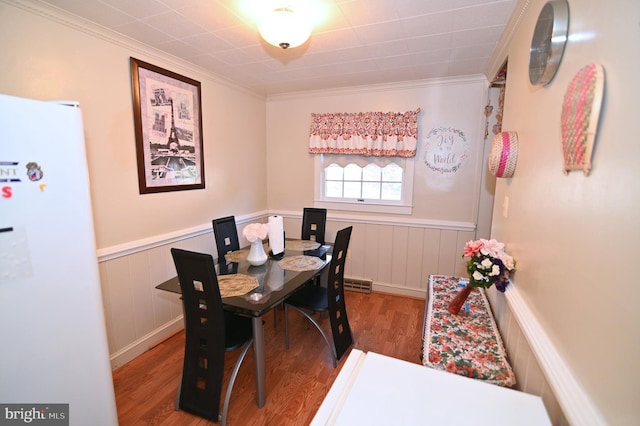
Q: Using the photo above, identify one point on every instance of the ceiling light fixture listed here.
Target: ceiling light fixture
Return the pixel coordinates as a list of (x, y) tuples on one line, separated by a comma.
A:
[(284, 27)]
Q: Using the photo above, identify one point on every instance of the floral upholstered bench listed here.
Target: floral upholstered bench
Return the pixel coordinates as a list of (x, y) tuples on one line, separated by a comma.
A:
[(467, 344)]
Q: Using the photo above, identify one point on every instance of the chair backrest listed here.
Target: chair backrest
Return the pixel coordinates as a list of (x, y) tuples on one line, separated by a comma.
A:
[(340, 328), (226, 235), (313, 224), (203, 366)]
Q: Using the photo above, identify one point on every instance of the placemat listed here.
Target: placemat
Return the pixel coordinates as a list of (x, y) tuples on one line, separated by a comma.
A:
[(468, 344), (236, 284), (237, 256), (301, 245), (301, 263)]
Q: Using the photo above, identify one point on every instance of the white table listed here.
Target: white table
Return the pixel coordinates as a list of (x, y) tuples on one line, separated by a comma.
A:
[(374, 389)]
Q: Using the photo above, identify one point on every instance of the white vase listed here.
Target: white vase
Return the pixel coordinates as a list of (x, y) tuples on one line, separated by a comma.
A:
[(257, 256)]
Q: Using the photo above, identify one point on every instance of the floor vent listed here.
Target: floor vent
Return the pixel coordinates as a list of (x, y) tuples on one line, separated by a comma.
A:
[(358, 285)]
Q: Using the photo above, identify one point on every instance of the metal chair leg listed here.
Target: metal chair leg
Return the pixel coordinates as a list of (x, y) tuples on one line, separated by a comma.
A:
[(275, 317), (178, 393), (286, 326), (232, 380), (315, 323)]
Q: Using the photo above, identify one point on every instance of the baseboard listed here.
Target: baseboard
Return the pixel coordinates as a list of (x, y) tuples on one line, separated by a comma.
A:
[(576, 405), (140, 346), (400, 291)]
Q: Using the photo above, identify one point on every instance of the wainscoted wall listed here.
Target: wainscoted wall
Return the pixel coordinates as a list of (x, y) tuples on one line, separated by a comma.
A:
[(138, 316), (397, 256), (551, 216), (530, 376)]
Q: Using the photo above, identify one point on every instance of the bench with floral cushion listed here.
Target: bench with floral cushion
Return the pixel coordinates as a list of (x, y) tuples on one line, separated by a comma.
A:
[(467, 344)]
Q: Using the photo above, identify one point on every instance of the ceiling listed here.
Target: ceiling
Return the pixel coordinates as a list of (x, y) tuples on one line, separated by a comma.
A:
[(354, 42)]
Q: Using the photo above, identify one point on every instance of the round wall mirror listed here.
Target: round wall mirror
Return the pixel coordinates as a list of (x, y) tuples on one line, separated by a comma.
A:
[(548, 42)]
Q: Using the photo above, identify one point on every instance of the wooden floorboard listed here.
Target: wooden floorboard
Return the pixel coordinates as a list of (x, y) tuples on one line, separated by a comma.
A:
[(297, 379)]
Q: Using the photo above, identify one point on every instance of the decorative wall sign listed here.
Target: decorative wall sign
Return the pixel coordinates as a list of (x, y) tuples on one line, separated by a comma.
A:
[(446, 149), (580, 114), (168, 122), (504, 154)]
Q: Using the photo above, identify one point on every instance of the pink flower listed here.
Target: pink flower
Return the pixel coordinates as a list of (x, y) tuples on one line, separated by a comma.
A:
[(492, 248), (255, 231), (488, 264), (472, 247), (507, 260)]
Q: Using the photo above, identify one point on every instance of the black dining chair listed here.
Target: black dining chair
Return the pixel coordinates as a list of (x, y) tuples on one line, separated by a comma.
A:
[(313, 224), (329, 299), (210, 332), (225, 232)]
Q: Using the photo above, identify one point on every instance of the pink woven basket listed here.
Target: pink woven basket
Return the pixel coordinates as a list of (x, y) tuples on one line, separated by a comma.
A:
[(503, 154)]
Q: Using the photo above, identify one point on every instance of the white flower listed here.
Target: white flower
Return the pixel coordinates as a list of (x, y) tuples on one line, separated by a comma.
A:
[(495, 270), (478, 276), (255, 231), (488, 263)]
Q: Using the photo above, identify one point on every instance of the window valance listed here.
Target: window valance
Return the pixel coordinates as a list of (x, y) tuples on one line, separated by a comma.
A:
[(379, 134)]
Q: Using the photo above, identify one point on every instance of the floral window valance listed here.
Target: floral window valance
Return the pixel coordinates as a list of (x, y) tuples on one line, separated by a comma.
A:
[(379, 134)]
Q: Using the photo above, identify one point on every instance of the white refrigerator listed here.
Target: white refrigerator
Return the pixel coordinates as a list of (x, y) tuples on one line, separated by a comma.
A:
[(54, 347)]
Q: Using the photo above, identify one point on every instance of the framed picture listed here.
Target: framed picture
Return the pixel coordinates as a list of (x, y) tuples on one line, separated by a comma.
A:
[(167, 113)]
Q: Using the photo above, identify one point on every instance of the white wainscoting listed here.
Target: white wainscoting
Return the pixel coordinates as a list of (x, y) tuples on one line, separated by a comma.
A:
[(398, 256), (138, 316), (539, 368)]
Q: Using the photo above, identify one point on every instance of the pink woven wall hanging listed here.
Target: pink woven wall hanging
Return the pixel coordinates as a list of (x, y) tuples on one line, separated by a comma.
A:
[(503, 154), (580, 114)]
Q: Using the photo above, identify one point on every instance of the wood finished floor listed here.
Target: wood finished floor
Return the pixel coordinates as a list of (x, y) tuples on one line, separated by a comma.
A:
[(297, 379)]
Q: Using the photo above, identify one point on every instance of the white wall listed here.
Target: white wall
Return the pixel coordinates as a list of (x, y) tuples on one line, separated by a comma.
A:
[(49, 55), (396, 252), (574, 236), (452, 103)]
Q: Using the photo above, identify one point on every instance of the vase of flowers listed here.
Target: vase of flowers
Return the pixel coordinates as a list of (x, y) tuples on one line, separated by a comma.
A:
[(255, 233), (488, 264)]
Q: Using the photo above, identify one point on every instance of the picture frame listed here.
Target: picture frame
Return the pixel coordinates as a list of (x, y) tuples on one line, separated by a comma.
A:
[(167, 111)]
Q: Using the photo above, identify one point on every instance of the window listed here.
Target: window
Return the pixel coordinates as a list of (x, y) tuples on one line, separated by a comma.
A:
[(372, 184)]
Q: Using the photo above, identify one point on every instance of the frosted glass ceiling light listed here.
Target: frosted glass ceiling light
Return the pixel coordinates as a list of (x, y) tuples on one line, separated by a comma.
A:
[(283, 27)]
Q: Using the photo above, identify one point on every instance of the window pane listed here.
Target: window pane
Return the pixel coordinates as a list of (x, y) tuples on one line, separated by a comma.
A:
[(371, 173), (352, 190), (333, 189), (352, 172), (392, 173), (371, 190), (392, 191), (333, 172), (379, 182)]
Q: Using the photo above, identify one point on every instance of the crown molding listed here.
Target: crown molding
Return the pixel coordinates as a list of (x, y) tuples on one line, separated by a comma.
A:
[(501, 52), (385, 87)]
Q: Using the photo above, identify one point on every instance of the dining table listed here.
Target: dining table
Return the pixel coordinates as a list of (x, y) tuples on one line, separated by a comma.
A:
[(273, 282)]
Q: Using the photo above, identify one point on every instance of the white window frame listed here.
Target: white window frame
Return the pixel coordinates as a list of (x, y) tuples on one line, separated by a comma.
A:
[(404, 206)]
